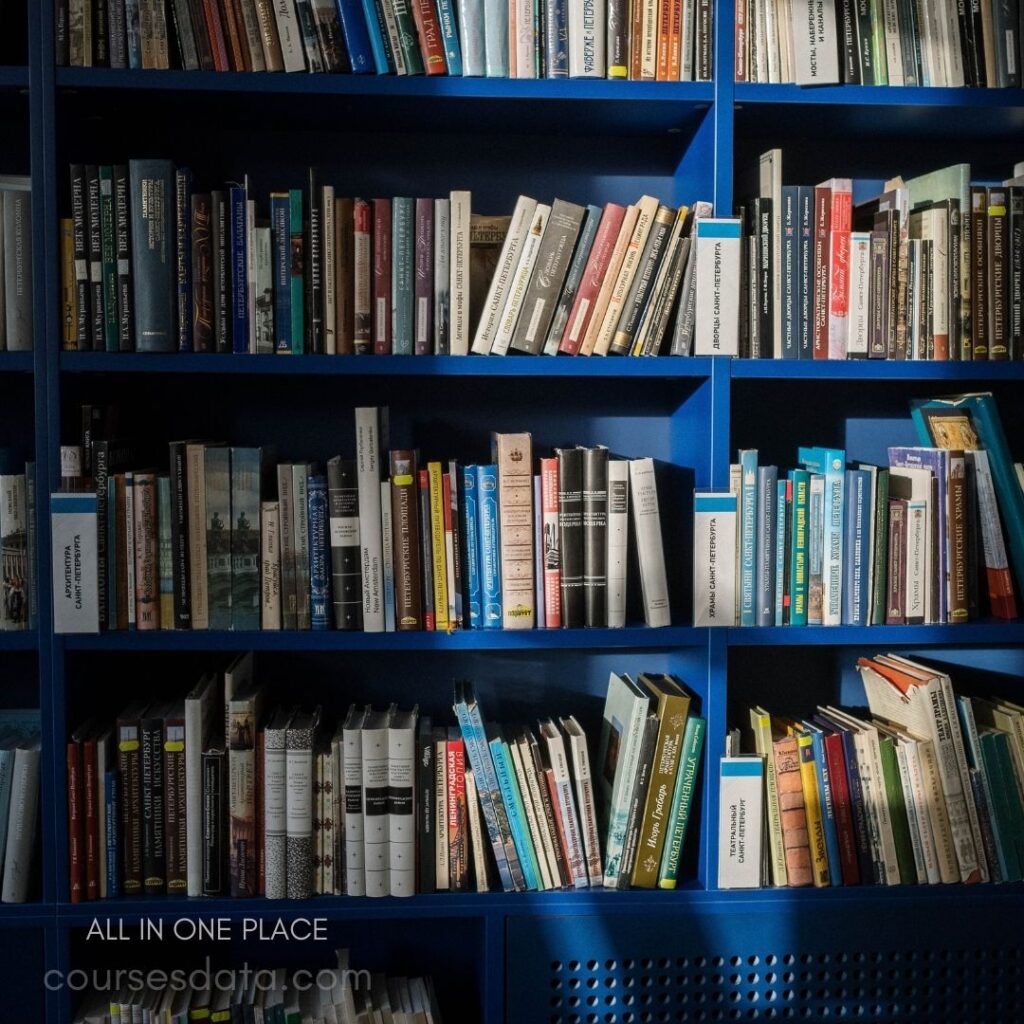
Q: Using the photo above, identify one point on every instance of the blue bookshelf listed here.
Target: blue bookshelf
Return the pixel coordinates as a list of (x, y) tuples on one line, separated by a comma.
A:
[(696, 953)]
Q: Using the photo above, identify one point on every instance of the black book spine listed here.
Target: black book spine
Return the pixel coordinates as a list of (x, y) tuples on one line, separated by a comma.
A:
[(95, 245), (965, 25), (179, 537), (315, 290), (980, 68), (117, 31), (908, 51), (703, 41), (343, 512), (80, 237), (154, 856), (219, 248), (848, 51), (213, 822), (868, 57), (183, 255), (955, 241), (122, 238), (570, 534), (100, 48), (751, 281), (202, 275), (765, 291), (426, 793), (62, 53), (595, 536)]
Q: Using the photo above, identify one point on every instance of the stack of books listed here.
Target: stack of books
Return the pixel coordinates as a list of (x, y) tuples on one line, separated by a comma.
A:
[(669, 41), (935, 537), (202, 272), (280, 995), (940, 43), (230, 538), (923, 788), (932, 268), (382, 802)]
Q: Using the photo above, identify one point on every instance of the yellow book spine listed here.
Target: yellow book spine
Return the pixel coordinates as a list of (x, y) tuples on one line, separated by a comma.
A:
[(762, 729), (68, 298), (437, 545), (812, 808)]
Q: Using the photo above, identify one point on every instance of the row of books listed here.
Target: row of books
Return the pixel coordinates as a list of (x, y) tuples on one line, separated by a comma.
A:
[(383, 803), (669, 40), (932, 268), (19, 803), (378, 542), (16, 263), (922, 541), (922, 788), (895, 42), (307, 995), (384, 276), (18, 594)]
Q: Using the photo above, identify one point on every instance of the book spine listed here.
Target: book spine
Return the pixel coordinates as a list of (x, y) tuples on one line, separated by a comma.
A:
[(459, 272), (218, 536), (241, 796), (979, 271), (595, 532), (270, 565), (375, 805), (425, 809), (471, 533), (94, 242), (423, 309), (287, 511), (426, 550), (456, 555), (108, 266), (439, 547), (80, 232), (297, 285), (382, 237), (299, 812), (766, 520), (549, 513), (798, 557), (490, 547), (246, 473), (147, 583), (319, 575), (202, 305), (649, 543), (213, 822), (368, 448), (403, 275), (300, 524), (154, 855), (822, 267), (405, 533), (362, 303), (748, 536), (344, 276), (152, 262), (998, 278), (455, 791), (165, 560), (897, 562), (343, 510), (401, 820), (183, 256), (442, 276), (175, 806), (682, 802), (512, 454)]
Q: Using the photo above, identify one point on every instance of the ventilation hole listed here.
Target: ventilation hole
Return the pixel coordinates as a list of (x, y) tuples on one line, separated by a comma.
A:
[(592, 965), (574, 965), (609, 965)]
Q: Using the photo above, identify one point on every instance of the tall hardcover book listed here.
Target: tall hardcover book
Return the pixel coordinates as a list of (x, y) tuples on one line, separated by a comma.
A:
[(570, 535), (154, 854), (374, 753), (401, 739), (343, 513), (714, 558), (513, 456), (153, 269), (406, 540), (595, 536), (299, 736), (649, 543), (243, 712), (717, 286), (371, 441)]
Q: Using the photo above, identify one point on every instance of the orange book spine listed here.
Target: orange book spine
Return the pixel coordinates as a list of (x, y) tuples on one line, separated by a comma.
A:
[(664, 35), (675, 40)]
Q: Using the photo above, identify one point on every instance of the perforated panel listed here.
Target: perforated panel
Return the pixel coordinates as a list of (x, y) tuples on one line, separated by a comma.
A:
[(762, 967)]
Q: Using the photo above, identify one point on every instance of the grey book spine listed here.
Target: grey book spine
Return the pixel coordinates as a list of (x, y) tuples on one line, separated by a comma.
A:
[(152, 191), (403, 217), (682, 337), (767, 478), (595, 532), (584, 243), (300, 524), (186, 36), (218, 536), (667, 300), (553, 259), (246, 474), (286, 500), (18, 269), (122, 239), (442, 227)]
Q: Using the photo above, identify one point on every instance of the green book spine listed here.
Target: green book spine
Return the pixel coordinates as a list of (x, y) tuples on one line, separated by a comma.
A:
[(297, 264), (407, 37), (1003, 823), (682, 801), (798, 566), (880, 68), (403, 216), (879, 585), (897, 810), (108, 256)]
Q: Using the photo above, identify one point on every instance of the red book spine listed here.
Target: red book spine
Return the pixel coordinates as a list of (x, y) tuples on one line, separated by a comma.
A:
[(216, 33), (593, 275), (382, 277), (664, 39), (675, 39), (822, 216), (429, 31), (91, 818), (75, 829), (842, 809), (549, 531), (549, 778), (235, 38), (1000, 593), (839, 272), (457, 815)]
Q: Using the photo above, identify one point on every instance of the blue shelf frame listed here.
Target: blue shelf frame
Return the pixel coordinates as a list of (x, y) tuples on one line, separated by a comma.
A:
[(706, 115)]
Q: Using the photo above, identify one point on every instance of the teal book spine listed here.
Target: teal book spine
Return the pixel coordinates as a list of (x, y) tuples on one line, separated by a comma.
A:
[(828, 809), (281, 240), (831, 463), (682, 801), (108, 250), (490, 546), (514, 809), (1002, 822), (767, 524), (246, 473), (153, 269), (748, 536), (218, 536), (403, 220), (798, 549), (781, 518), (297, 291)]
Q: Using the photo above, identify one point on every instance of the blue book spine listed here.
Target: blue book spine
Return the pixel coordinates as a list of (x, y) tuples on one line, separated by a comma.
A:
[(131, 16), (111, 566), (556, 39), (831, 463), (319, 569), (239, 271), (490, 545), (357, 38), (479, 754), (790, 271), (857, 547), (471, 35), (805, 264), (828, 810), (781, 512), (748, 536), (767, 487), (514, 809), (798, 548), (496, 38), (183, 257), (112, 802), (450, 35), (375, 31), (403, 269), (472, 535), (280, 220), (152, 220)]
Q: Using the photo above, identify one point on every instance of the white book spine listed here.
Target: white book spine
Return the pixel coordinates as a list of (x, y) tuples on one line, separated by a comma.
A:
[(270, 565), (546, 849), (459, 326), (375, 818), (586, 805), (299, 804), (860, 300), (942, 832), (330, 294), (567, 809), (198, 711), (504, 273), (292, 49), (648, 39), (988, 513), (714, 559), (532, 821), (718, 276), (388, 551), (953, 64), (442, 274), (740, 826), (441, 865), (587, 38), (893, 50), (523, 59), (785, 22), (21, 827), (401, 821), (520, 280), (771, 32), (275, 804), (910, 805), (476, 837), (74, 561), (539, 517), (689, 28), (915, 773), (815, 42), (355, 879), (649, 545), (618, 540), (368, 448), (760, 39)]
